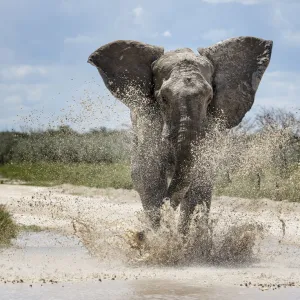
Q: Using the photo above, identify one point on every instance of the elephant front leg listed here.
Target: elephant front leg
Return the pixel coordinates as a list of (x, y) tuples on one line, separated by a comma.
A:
[(150, 181), (198, 193)]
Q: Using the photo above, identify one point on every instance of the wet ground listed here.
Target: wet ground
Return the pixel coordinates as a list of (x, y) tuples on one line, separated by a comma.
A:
[(68, 260), (153, 289)]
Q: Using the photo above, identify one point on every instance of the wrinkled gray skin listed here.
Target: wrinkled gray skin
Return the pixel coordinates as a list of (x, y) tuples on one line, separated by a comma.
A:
[(172, 97)]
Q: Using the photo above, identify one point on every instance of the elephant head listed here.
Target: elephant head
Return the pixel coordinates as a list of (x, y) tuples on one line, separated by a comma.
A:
[(188, 89)]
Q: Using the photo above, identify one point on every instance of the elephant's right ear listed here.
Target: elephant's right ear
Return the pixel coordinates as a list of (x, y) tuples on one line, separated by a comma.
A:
[(125, 67), (239, 64)]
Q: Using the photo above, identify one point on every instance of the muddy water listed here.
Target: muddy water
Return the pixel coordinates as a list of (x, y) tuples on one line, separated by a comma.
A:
[(90, 234), (140, 290)]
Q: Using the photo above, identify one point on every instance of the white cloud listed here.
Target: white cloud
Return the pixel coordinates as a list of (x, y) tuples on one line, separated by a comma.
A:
[(167, 33), (138, 11), (26, 92), (22, 71), (80, 39), (138, 15), (216, 35)]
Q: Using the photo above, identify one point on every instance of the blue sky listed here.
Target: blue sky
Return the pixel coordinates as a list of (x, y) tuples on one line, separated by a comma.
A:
[(44, 45)]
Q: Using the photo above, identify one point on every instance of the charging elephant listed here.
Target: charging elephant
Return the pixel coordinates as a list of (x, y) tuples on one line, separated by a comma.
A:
[(172, 96)]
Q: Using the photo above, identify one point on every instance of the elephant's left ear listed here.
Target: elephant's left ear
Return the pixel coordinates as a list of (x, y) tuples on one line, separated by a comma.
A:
[(125, 67), (239, 65)]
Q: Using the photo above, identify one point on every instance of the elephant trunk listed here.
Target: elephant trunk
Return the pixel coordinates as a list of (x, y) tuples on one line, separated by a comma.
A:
[(189, 131)]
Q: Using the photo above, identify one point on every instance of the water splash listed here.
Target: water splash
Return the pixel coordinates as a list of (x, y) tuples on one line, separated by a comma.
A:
[(205, 243), (208, 241)]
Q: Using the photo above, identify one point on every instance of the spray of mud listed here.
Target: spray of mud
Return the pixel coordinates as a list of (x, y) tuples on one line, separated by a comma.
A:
[(206, 243), (216, 239)]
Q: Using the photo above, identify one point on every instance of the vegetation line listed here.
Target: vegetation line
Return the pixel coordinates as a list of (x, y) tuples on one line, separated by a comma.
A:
[(102, 175), (257, 159)]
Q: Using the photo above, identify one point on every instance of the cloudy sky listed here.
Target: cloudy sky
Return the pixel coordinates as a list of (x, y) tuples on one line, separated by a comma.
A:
[(44, 45)]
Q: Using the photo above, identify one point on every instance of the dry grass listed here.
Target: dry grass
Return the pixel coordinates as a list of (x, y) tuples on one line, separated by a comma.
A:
[(8, 228)]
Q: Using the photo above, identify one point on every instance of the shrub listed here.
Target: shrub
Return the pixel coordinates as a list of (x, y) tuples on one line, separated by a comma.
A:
[(65, 145), (8, 228)]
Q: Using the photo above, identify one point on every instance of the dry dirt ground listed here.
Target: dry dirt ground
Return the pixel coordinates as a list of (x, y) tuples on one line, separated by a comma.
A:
[(85, 240)]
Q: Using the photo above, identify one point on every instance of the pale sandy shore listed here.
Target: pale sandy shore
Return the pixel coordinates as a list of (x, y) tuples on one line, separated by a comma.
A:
[(78, 219)]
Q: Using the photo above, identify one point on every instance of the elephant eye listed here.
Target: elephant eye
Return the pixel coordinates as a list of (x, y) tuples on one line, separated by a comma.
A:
[(163, 99)]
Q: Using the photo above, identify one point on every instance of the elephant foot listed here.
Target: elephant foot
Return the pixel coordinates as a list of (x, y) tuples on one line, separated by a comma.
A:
[(136, 240)]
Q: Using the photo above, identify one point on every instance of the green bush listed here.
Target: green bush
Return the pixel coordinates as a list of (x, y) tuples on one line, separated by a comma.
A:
[(101, 175), (8, 228), (8, 140), (66, 146)]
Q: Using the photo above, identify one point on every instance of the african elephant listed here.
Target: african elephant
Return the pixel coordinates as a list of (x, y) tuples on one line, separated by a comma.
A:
[(171, 97)]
